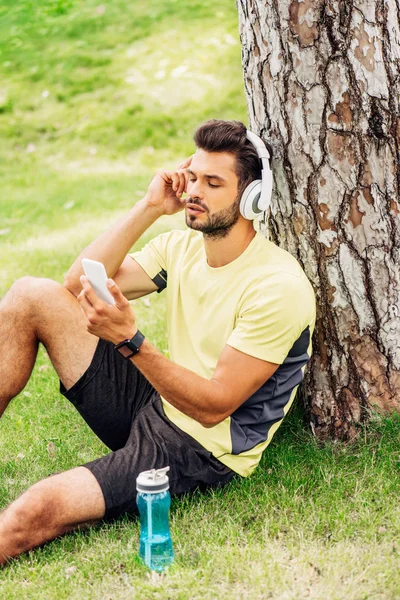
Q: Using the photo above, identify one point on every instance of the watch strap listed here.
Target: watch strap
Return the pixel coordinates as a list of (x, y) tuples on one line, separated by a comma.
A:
[(128, 348)]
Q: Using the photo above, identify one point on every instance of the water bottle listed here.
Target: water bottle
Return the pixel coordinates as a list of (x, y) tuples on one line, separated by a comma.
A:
[(153, 501)]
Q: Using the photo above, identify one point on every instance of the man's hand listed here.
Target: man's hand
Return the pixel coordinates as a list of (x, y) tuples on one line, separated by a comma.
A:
[(166, 188), (111, 323)]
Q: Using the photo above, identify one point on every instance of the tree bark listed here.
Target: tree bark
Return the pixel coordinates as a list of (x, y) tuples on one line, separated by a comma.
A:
[(322, 81)]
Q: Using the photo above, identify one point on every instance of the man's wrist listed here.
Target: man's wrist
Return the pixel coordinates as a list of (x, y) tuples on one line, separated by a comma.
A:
[(151, 208), (130, 346), (129, 335)]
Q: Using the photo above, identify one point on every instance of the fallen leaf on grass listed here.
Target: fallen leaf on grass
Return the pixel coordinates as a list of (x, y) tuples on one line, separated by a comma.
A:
[(51, 449), (316, 569)]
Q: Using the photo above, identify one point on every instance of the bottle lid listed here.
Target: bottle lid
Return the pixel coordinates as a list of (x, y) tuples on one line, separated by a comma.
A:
[(154, 481)]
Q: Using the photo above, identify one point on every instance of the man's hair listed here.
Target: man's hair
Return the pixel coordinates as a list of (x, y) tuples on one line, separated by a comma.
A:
[(216, 135)]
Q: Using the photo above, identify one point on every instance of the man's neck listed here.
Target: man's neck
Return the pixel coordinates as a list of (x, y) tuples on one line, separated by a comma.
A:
[(221, 251)]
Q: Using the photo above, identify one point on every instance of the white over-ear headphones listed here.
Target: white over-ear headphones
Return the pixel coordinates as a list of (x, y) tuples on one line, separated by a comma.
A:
[(256, 197)]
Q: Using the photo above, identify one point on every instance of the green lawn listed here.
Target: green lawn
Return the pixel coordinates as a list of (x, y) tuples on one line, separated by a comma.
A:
[(93, 98)]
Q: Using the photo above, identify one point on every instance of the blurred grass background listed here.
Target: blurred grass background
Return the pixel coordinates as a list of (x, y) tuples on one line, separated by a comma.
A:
[(93, 98)]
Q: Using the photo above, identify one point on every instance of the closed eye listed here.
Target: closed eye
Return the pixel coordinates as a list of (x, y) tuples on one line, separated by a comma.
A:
[(212, 185)]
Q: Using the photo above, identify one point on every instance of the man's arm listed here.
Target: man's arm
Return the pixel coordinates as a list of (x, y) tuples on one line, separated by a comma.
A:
[(209, 401), (133, 280), (112, 246), (163, 197)]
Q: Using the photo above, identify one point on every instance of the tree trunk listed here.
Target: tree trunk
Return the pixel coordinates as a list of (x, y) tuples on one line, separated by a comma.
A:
[(322, 81)]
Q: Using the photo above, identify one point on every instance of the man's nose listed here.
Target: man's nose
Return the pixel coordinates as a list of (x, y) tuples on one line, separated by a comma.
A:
[(195, 189)]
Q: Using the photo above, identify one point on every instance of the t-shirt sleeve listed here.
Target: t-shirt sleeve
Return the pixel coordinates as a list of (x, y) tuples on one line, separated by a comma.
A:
[(153, 259), (272, 316)]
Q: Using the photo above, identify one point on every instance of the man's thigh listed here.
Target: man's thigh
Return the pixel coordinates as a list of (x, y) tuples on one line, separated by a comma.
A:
[(59, 324)]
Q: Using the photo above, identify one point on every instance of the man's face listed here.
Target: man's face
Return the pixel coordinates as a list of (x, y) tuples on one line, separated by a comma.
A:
[(212, 205)]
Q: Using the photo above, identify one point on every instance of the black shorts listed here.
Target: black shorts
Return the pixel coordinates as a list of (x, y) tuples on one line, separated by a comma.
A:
[(126, 413)]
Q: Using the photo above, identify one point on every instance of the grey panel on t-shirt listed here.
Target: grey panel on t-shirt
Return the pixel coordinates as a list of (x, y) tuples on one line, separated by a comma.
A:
[(251, 422)]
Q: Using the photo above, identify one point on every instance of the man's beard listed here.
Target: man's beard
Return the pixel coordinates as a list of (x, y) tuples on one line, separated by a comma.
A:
[(217, 225)]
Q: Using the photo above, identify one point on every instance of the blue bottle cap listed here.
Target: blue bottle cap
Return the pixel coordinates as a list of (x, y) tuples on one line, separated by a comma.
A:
[(154, 481)]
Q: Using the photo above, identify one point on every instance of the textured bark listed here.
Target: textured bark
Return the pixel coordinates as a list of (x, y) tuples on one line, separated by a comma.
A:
[(322, 80)]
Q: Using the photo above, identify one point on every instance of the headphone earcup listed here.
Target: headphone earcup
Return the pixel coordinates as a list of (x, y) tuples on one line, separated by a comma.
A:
[(250, 199)]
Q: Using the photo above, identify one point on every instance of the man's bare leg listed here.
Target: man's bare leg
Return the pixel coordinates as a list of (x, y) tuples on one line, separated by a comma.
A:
[(48, 509), (41, 310), (33, 311)]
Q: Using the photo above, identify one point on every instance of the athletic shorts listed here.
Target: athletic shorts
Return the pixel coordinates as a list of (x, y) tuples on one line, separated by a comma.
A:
[(126, 413)]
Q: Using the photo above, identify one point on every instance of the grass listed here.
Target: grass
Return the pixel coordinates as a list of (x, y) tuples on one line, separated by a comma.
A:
[(93, 98)]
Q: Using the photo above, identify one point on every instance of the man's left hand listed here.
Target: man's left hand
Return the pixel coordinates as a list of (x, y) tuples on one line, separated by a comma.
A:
[(113, 323)]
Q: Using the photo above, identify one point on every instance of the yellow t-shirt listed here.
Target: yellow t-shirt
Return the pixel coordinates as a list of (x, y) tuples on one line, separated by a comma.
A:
[(261, 304)]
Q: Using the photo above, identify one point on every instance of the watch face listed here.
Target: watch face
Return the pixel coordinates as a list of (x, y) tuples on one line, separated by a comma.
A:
[(129, 348), (126, 351)]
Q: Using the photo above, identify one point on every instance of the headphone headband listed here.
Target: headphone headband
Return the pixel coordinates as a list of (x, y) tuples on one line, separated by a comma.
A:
[(259, 146), (266, 174)]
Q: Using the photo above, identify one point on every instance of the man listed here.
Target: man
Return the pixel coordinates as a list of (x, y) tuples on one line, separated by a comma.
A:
[(240, 318)]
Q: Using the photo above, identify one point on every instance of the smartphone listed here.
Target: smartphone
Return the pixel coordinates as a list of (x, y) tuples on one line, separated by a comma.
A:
[(96, 273)]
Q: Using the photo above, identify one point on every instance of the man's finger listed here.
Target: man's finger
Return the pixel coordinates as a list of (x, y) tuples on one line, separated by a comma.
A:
[(186, 163), (120, 300), (86, 307), (83, 300), (90, 294), (175, 181), (182, 183), (179, 182)]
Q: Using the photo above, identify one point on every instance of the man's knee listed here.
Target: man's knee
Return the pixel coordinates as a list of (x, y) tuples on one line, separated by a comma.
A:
[(28, 518), (48, 509), (31, 288), (29, 295)]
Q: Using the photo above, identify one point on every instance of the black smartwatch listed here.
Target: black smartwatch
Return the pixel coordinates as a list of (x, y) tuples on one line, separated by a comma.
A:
[(129, 348)]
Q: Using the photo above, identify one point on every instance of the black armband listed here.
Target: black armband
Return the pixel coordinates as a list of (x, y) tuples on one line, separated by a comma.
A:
[(161, 280)]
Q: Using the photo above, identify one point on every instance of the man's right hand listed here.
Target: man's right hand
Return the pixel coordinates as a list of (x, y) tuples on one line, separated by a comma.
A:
[(166, 188)]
